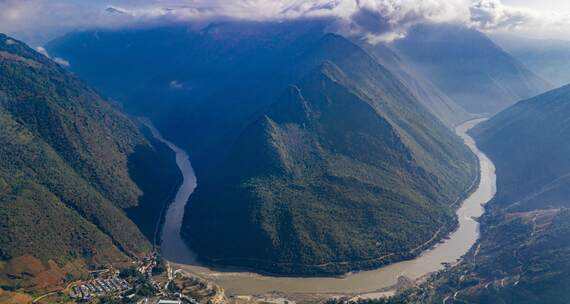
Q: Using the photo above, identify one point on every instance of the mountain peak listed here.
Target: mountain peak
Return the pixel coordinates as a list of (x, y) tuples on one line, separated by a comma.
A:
[(341, 126)]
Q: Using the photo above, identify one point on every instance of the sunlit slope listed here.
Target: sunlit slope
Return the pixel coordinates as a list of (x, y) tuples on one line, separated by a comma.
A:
[(65, 171)]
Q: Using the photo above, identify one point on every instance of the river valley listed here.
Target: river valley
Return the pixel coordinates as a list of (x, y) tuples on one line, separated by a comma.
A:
[(239, 282)]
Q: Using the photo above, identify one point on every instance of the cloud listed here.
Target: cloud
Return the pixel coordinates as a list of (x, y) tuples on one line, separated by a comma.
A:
[(494, 15), (43, 51), (386, 20), (376, 20), (57, 60), (61, 61), (175, 84)]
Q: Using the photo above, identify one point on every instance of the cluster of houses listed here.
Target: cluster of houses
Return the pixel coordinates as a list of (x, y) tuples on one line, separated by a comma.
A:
[(99, 287)]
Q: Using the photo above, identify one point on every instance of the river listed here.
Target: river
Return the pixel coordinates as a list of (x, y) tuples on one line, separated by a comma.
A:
[(237, 282)]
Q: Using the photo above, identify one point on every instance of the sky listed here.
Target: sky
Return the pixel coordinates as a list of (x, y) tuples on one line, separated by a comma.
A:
[(546, 5), (38, 21)]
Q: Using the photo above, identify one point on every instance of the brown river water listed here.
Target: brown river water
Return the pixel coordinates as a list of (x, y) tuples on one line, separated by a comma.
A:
[(240, 282)]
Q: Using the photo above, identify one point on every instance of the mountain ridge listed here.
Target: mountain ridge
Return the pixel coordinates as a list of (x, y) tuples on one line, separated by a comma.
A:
[(523, 254), (65, 177), (526, 132), (468, 67), (300, 143)]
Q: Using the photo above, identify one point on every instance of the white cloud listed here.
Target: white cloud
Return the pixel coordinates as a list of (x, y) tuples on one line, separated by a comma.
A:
[(378, 20), (43, 51), (493, 15), (175, 84), (57, 60), (385, 20), (61, 61)]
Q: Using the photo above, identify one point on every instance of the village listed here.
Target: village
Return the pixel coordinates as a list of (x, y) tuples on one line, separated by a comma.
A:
[(152, 281)]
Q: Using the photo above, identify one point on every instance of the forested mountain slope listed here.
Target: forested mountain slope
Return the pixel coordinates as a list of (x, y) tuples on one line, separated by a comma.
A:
[(529, 143), (523, 255), (203, 86), (436, 101), (521, 258), (200, 87), (209, 90), (347, 170), (66, 159)]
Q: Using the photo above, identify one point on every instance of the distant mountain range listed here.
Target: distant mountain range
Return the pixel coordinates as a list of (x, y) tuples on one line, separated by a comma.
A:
[(441, 105), (70, 166), (550, 59), (190, 74), (468, 67), (200, 87)]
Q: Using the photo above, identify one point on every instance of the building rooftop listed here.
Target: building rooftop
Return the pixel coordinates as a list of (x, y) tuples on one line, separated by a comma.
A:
[(169, 302)]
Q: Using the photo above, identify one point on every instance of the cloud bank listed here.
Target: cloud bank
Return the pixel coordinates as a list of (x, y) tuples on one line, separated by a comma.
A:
[(493, 15), (376, 20)]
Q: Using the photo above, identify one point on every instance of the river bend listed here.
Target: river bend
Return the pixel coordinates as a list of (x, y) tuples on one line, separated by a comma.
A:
[(237, 282)]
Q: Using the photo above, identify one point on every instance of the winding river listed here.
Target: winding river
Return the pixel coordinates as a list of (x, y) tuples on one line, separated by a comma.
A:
[(237, 282)]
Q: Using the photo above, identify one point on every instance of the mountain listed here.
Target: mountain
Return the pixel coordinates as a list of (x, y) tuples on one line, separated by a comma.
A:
[(346, 170), (550, 59), (71, 167), (523, 255), (209, 90), (200, 87), (443, 107), (529, 144), (190, 79), (468, 67)]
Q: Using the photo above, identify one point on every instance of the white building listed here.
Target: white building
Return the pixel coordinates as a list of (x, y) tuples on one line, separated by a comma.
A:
[(169, 302)]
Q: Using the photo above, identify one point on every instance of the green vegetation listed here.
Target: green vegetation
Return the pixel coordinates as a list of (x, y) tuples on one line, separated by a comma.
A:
[(345, 171), (129, 272), (160, 266), (523, 255), (530, 144), (521, 258), (153, 168), (65, 163)]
